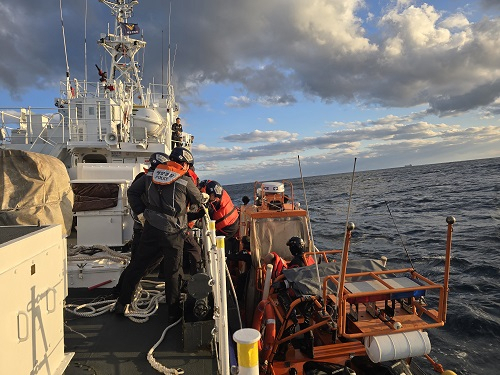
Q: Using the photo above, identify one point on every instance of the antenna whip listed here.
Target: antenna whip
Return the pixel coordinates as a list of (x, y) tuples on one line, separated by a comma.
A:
[(64, 41), (309, 226), (340, 285), (399, 234)]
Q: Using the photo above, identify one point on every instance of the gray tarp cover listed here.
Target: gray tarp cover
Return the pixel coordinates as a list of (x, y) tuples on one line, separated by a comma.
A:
[(34, 189), (305, 279)]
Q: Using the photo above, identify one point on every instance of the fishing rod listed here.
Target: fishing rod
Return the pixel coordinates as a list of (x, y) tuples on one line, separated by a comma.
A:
[(309, 226), (399, 234)]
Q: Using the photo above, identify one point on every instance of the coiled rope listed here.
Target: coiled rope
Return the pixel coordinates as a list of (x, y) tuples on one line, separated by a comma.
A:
[(75, 254), (145, 303)]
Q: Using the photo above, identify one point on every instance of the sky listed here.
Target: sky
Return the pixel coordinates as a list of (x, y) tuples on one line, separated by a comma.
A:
[(264, 84)]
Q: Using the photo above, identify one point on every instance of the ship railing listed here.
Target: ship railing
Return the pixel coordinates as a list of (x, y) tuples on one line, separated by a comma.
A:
[(32, 125), (83, 89), (163, 95), (348, 305), (214, 251)]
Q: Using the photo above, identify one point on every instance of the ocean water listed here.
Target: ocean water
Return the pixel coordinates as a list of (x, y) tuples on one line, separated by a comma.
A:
[(406, 208)]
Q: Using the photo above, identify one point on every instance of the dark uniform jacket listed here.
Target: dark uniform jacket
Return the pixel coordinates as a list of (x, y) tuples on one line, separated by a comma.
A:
[(166, 205)]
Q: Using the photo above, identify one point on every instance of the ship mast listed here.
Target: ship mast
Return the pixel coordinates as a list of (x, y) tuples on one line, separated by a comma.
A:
[(122, 49)]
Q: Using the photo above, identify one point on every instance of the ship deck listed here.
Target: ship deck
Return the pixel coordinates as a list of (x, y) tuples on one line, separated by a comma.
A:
[(111, 344)]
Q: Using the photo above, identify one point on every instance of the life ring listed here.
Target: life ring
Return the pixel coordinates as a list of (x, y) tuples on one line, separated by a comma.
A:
[(264, 320)]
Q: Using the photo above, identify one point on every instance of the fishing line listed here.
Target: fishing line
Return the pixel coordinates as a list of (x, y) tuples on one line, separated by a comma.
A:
[(399, 234), (308, 222)]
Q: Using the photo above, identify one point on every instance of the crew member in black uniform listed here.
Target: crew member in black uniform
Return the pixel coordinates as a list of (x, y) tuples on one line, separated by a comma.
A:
[(177, 133), (168, 191)]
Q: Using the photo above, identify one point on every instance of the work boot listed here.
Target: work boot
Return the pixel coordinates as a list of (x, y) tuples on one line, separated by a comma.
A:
[(119, 308)]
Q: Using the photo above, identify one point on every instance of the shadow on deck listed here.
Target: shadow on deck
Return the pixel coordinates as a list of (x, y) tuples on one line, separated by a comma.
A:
[(112, 344)]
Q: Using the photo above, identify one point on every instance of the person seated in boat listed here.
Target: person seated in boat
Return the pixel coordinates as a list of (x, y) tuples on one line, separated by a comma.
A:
[(177, 133), (297, 248), (224, 212)]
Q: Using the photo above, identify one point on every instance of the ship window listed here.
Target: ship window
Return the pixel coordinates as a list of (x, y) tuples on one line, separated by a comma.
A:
[(92, 111), (79, 111), (94, 158)]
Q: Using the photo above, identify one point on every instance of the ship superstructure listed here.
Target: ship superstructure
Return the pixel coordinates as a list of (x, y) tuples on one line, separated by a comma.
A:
[(113, 120)]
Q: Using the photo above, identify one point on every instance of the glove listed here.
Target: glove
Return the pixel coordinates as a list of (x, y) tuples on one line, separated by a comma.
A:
[(141, 218), (204, 198)]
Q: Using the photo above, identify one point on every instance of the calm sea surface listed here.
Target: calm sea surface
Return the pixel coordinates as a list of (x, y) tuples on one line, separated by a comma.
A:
[(420, 198)]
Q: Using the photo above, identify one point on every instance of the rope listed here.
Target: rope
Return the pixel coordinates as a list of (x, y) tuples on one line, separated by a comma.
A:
[(145, 303), (155, 364), (77, 254)]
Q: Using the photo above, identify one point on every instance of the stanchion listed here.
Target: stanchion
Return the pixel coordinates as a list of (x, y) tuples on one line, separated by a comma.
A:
[(223, 327), (247, 340)]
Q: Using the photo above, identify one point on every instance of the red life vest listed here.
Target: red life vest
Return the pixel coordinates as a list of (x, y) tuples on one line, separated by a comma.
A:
[(278, 264), (194, 176), (227, 213)]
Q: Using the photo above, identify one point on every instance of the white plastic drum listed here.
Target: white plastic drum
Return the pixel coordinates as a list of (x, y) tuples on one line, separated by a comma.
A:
[(273, 187), (397, 346)]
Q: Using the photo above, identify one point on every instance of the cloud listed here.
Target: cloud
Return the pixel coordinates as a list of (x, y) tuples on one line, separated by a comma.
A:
[(343, 51), (361, 139), (238, 102), (261, 136)]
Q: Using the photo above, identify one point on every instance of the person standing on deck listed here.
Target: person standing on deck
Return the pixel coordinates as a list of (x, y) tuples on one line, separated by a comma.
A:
[(168, 191), (177, 133)]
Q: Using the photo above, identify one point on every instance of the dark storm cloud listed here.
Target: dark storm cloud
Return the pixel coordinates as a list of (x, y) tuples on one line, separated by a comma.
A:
[(478, 97), (271, 50)]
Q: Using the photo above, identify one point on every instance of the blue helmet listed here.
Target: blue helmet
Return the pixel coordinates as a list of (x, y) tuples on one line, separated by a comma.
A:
[(213, 187), (182, 155), (156, 159)]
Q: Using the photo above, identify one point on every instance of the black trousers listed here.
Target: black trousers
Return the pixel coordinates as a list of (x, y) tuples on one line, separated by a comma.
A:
[(193, 250), (153, 246)]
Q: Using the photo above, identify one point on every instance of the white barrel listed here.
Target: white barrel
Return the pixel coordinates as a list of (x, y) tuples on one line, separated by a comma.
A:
[(247, 340), (397, 346)]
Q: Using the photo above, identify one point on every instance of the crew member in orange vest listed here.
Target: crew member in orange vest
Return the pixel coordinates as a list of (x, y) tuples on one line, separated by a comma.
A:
[(224, 212)]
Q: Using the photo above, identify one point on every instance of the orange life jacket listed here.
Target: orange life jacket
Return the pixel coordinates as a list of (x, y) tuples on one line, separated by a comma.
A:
[(165, 174), (227, 213)]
